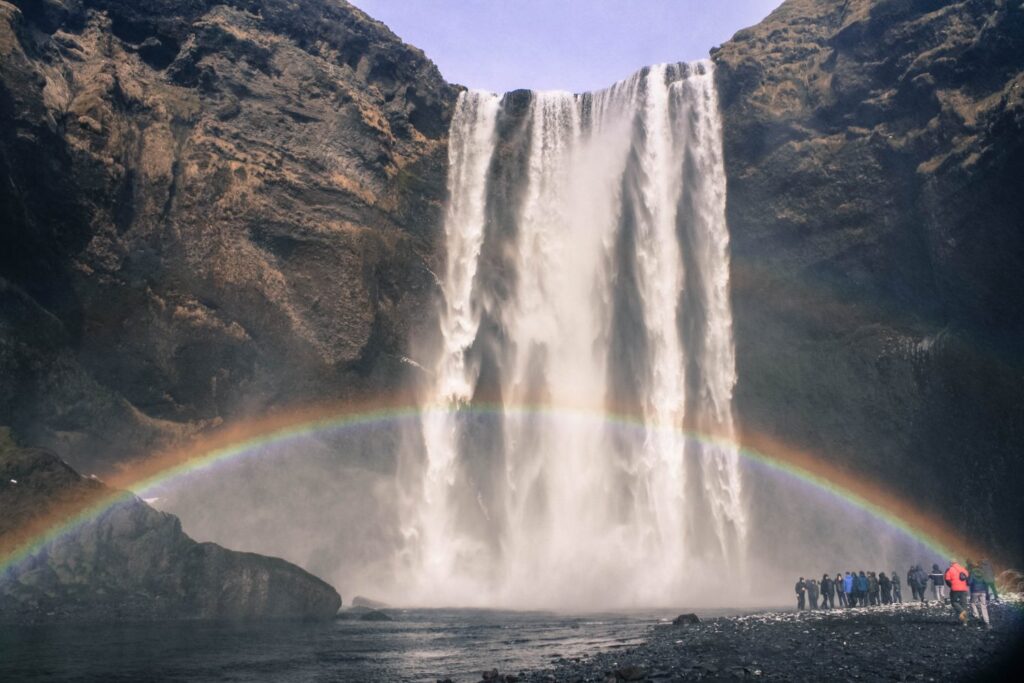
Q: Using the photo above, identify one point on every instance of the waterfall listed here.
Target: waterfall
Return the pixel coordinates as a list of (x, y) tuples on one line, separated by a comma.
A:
[(586, 337)]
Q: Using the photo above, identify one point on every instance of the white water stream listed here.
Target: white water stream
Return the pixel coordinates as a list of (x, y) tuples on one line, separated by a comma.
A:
[(587, 273)]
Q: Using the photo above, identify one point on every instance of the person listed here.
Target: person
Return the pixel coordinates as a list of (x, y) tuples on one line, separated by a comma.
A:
[(862, 589), (801, 591), (885, 586), (840, 584), (897, 594), (828, 592), (872, 589), (989, 575), (956, 579), (912, 582), (812, 593), (922, 582), (978, 586), (938, 583), (851, 593)]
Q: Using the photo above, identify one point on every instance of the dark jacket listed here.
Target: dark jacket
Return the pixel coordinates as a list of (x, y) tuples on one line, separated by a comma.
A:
[(896, 581), (922, 576), (812, 590), (977, 583), (884, 583), (872, 584), (937, 576), (862, 583), (827, 586), (801, 587)]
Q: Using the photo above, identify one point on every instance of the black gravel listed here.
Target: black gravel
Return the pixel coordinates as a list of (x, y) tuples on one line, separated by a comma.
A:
[(898, 643)]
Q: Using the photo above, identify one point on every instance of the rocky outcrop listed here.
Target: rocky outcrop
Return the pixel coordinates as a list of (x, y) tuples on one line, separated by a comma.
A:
[(874, 150), (217, 206), (129, 561)]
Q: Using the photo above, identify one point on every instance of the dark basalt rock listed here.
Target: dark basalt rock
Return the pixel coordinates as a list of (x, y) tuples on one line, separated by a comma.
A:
[(208, 208), (131, 561), (874, 151), (685, 619)]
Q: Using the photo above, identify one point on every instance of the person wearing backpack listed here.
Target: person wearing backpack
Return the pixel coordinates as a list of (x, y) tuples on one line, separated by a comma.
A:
[(956, 578)]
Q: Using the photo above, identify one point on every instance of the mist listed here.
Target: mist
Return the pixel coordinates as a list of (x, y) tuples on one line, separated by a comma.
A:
[(576, 447)]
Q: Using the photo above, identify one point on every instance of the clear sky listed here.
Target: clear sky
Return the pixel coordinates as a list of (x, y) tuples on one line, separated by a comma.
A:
[(572, 45)]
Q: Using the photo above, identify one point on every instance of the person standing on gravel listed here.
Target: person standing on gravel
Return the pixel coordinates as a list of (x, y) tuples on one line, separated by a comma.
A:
[(956, 578), (812, 593), (979, 596), (841, 590), (862, 589), (922, 582), (885, 585), (828, 592), (912, 582), (851, 591), (872, 589), (938, 583), (801, 591), (897, 594), (989, 575)]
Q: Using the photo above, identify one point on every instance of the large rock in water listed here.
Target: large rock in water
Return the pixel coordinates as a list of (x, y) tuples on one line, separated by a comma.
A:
[(208, 207), (874, 152), (130, 561)]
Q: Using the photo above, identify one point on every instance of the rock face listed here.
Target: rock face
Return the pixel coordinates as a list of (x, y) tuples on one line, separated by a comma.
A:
[(131, 561), (223, 206), (217, 206), (875, 150)]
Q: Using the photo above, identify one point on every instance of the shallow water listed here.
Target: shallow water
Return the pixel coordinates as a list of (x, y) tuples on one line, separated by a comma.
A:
[(420, 645)]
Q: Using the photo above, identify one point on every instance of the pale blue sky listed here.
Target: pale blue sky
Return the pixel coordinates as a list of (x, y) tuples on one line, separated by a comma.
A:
[(561, 44)]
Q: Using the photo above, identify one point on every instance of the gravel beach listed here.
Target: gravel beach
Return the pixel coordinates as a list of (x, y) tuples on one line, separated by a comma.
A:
[(909, 642)]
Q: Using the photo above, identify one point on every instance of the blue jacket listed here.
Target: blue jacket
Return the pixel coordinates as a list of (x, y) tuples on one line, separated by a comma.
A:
[(862, 584), (848, 583), (977, 584)]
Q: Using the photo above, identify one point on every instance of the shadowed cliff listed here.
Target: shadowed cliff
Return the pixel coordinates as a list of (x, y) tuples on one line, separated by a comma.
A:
[(874, 151), (209, 208)]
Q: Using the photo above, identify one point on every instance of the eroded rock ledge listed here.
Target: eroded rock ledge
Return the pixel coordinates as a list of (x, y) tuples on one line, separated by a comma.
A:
[(131, 561)]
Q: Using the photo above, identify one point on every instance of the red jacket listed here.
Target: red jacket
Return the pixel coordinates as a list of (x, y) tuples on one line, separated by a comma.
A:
[(953, 579)]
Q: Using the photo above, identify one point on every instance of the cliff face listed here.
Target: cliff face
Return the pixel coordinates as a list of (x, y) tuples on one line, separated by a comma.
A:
[(874, 151), (209, 208), (131, 561)]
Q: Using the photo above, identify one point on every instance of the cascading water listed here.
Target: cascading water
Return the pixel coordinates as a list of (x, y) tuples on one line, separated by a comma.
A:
[(587, 276)]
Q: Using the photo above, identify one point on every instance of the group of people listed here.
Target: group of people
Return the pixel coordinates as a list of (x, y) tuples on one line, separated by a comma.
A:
[(854, 589), (866, 589)]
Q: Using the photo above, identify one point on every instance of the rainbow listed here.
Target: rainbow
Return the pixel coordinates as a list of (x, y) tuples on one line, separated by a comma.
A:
[(252, 438)]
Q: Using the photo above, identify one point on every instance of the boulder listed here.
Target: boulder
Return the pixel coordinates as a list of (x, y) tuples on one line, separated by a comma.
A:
[(686, 619)]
